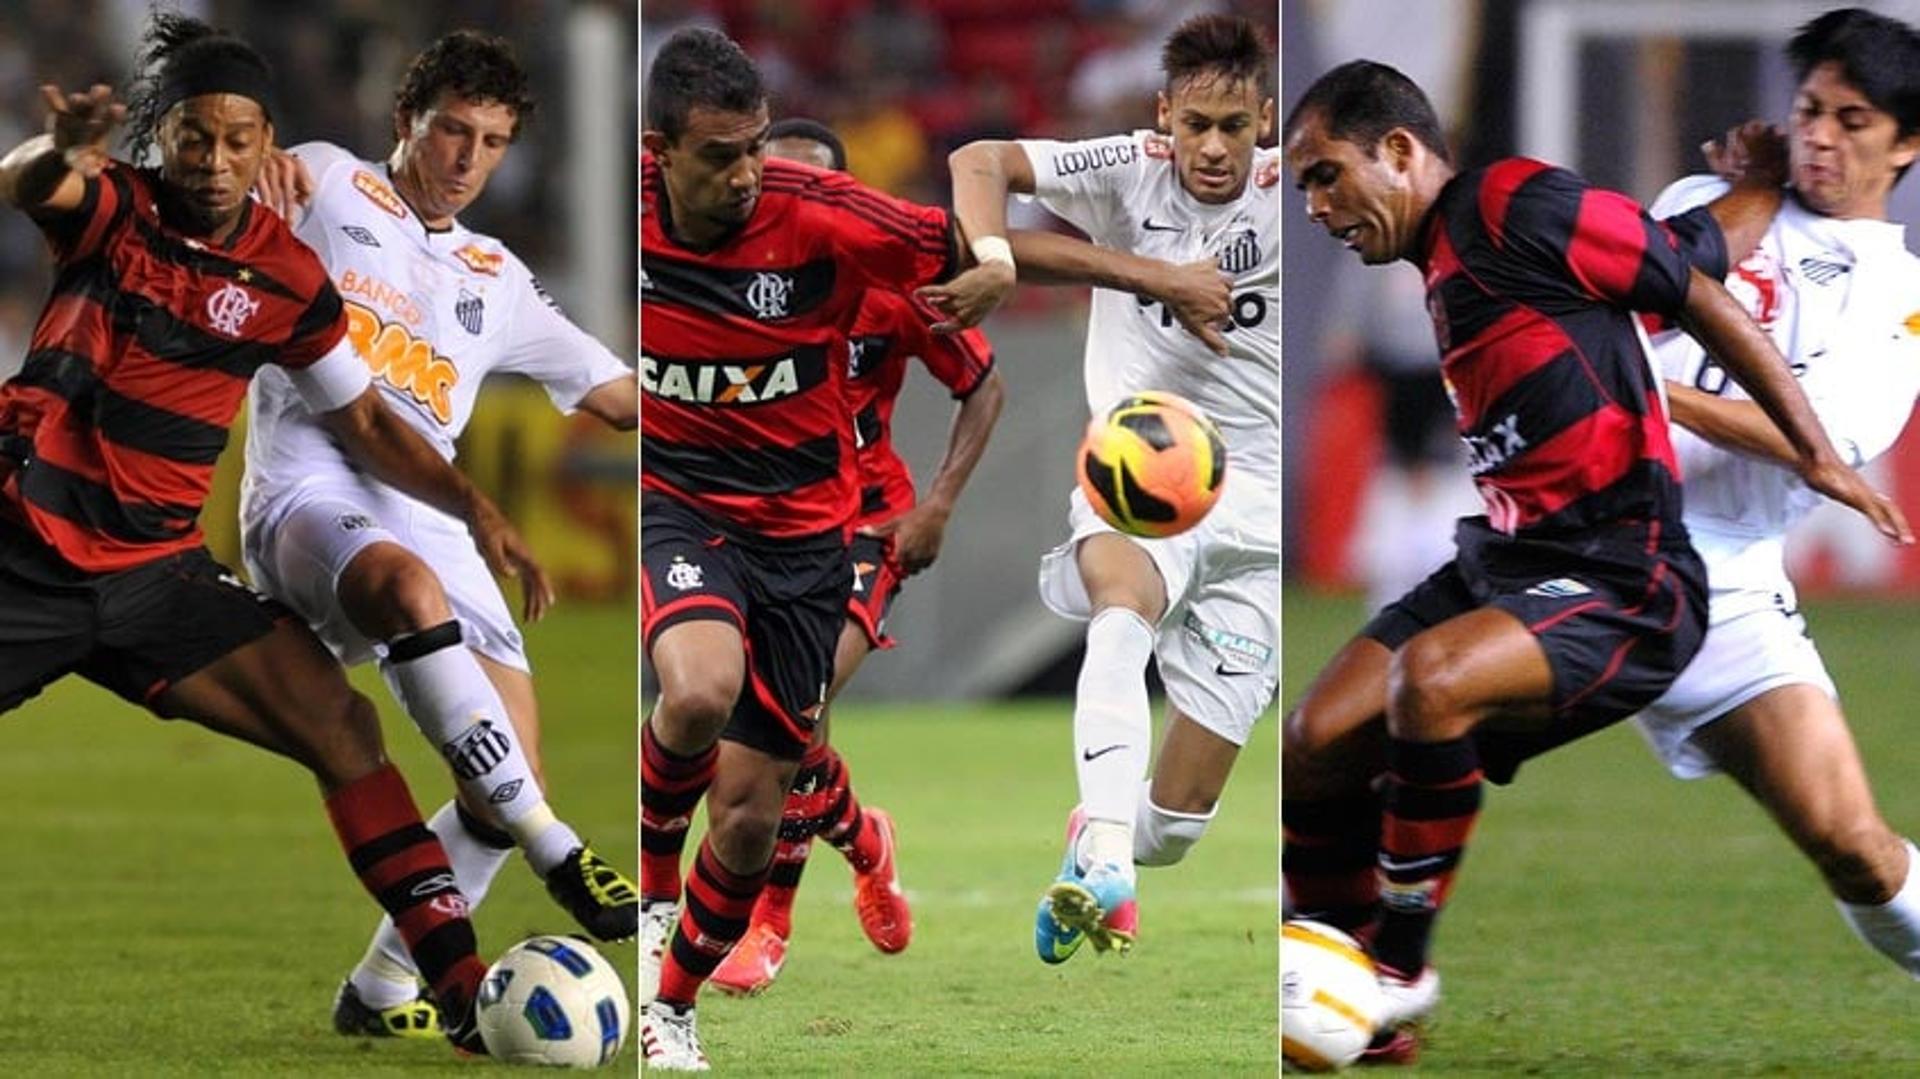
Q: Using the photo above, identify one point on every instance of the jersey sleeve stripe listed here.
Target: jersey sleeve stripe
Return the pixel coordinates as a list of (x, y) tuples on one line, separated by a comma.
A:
[(321, 326), (1608, 244), (1496, 193)]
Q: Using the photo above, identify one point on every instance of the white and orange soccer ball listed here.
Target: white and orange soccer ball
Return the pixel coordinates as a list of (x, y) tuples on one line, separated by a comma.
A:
[(1330, 1000), (1153, 465)]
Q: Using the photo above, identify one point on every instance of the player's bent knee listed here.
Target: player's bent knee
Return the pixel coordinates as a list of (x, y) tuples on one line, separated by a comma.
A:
[(1163, 836), (1426, 693), (339, 740)]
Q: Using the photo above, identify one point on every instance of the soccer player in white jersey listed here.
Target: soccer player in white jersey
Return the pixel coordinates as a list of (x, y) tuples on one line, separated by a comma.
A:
[(433, 308), (1832, 282), (1204, 604)]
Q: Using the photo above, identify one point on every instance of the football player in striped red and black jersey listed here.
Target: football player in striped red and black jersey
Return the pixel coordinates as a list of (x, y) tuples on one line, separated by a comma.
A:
[(898, 533), (172, 288), (1577, 598), (751, 274)]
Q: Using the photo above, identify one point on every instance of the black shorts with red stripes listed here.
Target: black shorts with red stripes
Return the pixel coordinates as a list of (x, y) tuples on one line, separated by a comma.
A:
[(1619, 612), (788, 599), (876, 582), (135, 632)]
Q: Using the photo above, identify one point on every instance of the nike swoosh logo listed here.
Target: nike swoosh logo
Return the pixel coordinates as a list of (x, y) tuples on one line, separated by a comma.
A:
[(1090, 754), (1393, 866), (1151, 227), (1227, 672)]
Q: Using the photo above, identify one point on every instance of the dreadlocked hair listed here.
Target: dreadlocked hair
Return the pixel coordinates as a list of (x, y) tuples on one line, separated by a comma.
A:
[(174, 43)]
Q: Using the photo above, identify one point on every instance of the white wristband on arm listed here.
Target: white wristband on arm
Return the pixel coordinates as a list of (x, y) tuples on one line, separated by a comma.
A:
[(992, 249)]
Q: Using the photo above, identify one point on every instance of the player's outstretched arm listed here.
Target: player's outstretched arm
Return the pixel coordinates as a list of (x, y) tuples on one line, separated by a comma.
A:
[(1196, 293), (1753, 158), (983, 174), (1717, 321), (395, 454), (1740, 426), (49, 171), (918, 533)]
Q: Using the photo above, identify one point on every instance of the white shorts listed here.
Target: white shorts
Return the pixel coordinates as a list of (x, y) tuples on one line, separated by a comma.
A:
[(306, 537), (1756, 642), (1216, 641)]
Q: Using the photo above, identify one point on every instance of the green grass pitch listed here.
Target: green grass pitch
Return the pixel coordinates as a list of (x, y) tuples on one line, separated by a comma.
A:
[(980, 795), (173, 903), (1612, 921)]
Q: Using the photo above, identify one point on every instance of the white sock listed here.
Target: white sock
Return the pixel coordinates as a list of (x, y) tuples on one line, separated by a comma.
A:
[(1892, 928), (443, 688), (386, 975), (1112, 732), (1162, 836)]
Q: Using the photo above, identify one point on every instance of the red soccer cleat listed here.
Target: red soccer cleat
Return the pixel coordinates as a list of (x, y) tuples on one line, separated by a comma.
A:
[(877, 897), (753, 964)]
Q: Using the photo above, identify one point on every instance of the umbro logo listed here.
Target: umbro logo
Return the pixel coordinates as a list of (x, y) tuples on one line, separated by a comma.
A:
[(1149, 225), (360, 236), (1559, 588)]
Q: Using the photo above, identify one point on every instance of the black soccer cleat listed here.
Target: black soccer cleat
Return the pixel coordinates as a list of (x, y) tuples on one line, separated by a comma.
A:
[(460, 1013), (600, 897), (416, 1018)]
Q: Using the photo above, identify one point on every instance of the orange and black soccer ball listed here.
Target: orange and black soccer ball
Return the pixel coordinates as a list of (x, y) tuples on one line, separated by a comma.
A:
[(1153, 465)]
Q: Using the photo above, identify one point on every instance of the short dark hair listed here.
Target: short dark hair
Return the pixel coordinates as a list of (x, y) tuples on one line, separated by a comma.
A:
[(700, 67), (799, 127), (470, 65), (174, 52), (1880, 56), (1223, 46), (1361, 100)]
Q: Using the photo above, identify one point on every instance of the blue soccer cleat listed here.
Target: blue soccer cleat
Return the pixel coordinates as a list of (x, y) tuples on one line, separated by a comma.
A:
[(1055, 940)]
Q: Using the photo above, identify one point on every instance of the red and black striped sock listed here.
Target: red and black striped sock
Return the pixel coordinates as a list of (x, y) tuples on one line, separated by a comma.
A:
[(1331, 858), (713, 919), (846, 825), (1431, 800), (404, 867), (670, 787), (775, 907)]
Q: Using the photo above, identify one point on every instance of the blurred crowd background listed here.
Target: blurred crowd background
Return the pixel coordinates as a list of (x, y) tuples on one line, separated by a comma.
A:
[(905, 82), (338, 64), (1623, 93)]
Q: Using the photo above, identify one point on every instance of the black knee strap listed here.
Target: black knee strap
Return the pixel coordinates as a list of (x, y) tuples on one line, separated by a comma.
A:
[(425, 642)]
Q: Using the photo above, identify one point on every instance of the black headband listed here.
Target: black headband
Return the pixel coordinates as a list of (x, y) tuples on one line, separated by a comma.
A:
[(216, 74)]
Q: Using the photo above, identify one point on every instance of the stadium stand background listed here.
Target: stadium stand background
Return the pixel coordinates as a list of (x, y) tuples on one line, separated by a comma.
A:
[(1623, 93), (338, 62), (904, 82)]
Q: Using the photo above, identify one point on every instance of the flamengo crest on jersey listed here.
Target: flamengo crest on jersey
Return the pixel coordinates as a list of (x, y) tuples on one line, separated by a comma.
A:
[(1124, 192), (1841, 300), (432, 313)]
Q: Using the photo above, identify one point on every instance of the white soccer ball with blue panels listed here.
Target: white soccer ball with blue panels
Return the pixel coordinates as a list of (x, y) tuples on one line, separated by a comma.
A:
[(553, 1001)]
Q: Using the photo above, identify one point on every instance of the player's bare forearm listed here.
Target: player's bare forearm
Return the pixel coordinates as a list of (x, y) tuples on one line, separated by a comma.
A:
[(616, 401), (1743, 214), (967, 439), (1717, 321), (1753, 158), (1048, 258), (33, 173), (396, 455), (1739, 426), (984, 173), (1747, 353)]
